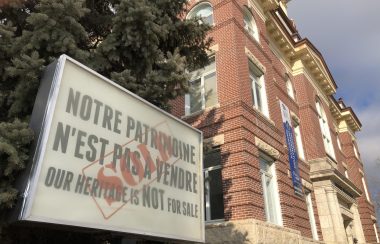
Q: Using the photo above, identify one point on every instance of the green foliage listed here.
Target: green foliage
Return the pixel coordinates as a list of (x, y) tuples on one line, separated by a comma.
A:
[(145, 46), (14, 138)]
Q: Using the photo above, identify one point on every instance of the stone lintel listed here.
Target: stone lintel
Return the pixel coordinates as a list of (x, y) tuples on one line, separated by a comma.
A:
[(268, 149)]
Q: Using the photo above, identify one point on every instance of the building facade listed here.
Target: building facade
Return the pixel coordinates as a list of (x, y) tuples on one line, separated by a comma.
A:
[(257, 62)]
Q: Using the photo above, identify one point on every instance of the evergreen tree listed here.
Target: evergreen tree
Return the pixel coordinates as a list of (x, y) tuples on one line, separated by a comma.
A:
[(145, 46)]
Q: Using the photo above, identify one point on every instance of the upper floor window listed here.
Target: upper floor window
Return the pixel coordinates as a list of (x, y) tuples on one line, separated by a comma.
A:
[(346, 173), (289, 88), (204, 11), (338, 142), (365, 189), (270, 190), (325, 129), (214, 208), (250, 24), (297, 135), (203, 89), (259, 98), (355, 150)]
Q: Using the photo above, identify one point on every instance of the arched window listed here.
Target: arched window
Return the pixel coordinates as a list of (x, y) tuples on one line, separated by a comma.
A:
[(289, 88), (325, 129), (250, 24), (204, 11)]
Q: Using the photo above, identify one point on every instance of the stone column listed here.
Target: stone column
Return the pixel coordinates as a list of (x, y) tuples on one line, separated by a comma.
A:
[(336, 217)]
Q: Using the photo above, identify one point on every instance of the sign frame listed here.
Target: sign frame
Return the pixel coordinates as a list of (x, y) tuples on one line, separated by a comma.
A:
[(41, 122)]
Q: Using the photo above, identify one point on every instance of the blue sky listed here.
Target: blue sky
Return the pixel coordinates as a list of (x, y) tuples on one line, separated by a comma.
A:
[(347, 33)]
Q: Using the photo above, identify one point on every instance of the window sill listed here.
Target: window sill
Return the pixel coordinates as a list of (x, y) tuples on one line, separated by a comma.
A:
[(266, 117), (201, 111), (214, 222)]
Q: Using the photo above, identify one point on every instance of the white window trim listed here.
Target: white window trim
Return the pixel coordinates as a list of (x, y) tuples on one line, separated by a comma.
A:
[(338, 142), (377, 235), (208, 195), (325, 130), (193, 12), (365, 189), (290, 89), (254, 32), (277, 206), (310, 211), (355, 150), (187, 95), (298, 136), (263, 94)]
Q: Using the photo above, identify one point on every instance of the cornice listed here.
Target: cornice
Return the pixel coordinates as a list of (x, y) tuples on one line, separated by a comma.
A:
[(345, 114), (287, 40)]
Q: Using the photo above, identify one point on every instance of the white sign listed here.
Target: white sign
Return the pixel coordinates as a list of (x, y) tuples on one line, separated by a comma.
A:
[(107, 159)]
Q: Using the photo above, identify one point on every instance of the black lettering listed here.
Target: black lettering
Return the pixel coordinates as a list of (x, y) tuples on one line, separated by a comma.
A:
[(61, 137), (85, 108), (72, 102)]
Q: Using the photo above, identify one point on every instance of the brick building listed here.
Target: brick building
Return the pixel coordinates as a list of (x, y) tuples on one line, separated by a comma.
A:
[(259, 61)]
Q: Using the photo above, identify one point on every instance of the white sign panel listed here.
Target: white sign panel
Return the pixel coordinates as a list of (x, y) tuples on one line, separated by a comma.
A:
[(107, 159)]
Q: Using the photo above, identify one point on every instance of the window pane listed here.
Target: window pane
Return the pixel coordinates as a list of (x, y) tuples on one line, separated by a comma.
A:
[(212, 159), (216, 194), (211, 95), (195, 96), (258, 98), (205, 12)]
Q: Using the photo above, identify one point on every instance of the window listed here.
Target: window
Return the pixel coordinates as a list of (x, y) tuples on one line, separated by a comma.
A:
[(270, 190), (346, 173), (259, 98), (289, 88), (203, 91), (250, 24), (338, 142), (214, 208), (297, 135), (377, 235), (365, 189), (310, 211), (355, 150), (204, 11), (325, 129)]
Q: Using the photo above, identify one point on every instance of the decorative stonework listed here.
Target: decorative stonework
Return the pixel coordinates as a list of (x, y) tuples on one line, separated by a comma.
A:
[(214, 141), (253, 231), (268, 149), (307, 184), (254, 60)]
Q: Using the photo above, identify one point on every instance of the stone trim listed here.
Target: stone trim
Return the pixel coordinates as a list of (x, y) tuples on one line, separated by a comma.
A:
[(373, 218), (306, 184), (252, 231), (213, 50), (268, 149), (344, 165), (295, 119), (215, 140), (254, 60)]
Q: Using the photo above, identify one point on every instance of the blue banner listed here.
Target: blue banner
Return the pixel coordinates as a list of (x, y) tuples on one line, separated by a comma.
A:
[(292, 152)]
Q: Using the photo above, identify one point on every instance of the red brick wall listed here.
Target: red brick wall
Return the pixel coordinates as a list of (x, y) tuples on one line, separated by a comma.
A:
[(355, 167), (240, 123)]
